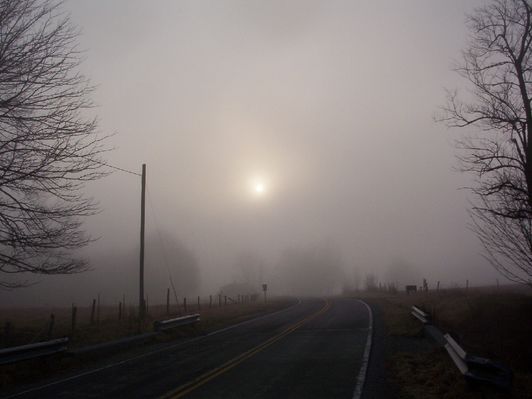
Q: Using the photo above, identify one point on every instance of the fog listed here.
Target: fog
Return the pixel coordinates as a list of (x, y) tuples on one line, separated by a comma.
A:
[(328, 105)]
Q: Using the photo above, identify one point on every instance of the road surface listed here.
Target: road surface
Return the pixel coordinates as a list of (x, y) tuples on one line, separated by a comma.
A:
[(315, 349)]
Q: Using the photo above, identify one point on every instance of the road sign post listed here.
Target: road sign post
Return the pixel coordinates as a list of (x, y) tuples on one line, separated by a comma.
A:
[(264, 289)]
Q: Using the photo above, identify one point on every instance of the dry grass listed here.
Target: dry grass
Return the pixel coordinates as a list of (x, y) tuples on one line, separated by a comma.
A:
[(28, 325), (488, 322)]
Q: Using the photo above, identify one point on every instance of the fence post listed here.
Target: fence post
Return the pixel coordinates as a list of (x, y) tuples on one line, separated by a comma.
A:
[(98, 311), (438, 286), (167, 301), (210, 301), (93, 310), (74, 312), (185, 304), (199, 306), (51, 326), (119, 310)]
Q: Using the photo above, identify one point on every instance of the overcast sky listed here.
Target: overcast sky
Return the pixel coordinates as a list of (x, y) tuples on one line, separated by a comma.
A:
[(329, 103)]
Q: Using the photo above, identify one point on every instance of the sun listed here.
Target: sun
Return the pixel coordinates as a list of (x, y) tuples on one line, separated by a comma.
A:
[(258, 187)]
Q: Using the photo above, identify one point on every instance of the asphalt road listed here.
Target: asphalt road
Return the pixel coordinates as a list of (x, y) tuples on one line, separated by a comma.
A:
[(314, 349)]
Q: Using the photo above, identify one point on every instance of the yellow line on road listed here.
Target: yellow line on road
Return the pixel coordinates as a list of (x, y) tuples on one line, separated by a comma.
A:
[(206, 377)]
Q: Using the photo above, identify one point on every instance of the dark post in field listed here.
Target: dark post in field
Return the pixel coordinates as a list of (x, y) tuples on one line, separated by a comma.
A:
[(199, 303), (185, 304), (141, 255), (264, 289), (167, 301), (98, 311), (210, 301), (74, 313), (93, 310), (119, 310)]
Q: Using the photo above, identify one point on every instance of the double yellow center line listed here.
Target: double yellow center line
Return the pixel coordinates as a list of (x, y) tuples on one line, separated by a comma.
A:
[(206, 377)]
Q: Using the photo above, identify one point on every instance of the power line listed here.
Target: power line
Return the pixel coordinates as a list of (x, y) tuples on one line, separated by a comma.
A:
[(117, 168), (96, 161)]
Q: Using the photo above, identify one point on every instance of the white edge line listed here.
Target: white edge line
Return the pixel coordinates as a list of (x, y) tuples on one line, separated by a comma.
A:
[(93, 371), (361, 378)]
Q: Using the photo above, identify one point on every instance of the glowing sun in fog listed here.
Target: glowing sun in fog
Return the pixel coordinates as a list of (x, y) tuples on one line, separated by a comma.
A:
[(258, 187)]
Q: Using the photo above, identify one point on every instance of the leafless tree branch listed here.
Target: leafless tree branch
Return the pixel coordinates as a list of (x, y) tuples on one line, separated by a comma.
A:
[(48, 149), (498, 66)]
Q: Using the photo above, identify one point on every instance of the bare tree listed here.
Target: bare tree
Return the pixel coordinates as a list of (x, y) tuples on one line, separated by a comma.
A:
[(497, 63), (48, 149)]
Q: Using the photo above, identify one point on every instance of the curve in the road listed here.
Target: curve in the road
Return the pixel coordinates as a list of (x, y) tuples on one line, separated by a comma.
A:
[(203, 379), (314, 349)]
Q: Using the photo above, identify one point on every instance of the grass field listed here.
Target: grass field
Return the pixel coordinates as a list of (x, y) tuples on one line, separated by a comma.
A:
[(488, 322), (28, 325), (31, 324)]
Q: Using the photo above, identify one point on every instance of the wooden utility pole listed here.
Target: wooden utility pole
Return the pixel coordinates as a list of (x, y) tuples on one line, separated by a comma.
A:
[(168, 301), (142, 308)]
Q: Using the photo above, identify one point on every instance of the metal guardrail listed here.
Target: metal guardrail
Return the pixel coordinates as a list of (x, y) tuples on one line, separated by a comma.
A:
[(457, 354), (477, 368), (32, 351), (47, 348), (162, 325), (420, 315), (473, 368)]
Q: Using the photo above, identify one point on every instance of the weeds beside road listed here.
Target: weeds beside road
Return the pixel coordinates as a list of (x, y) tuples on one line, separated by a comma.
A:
[(488, 322)]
